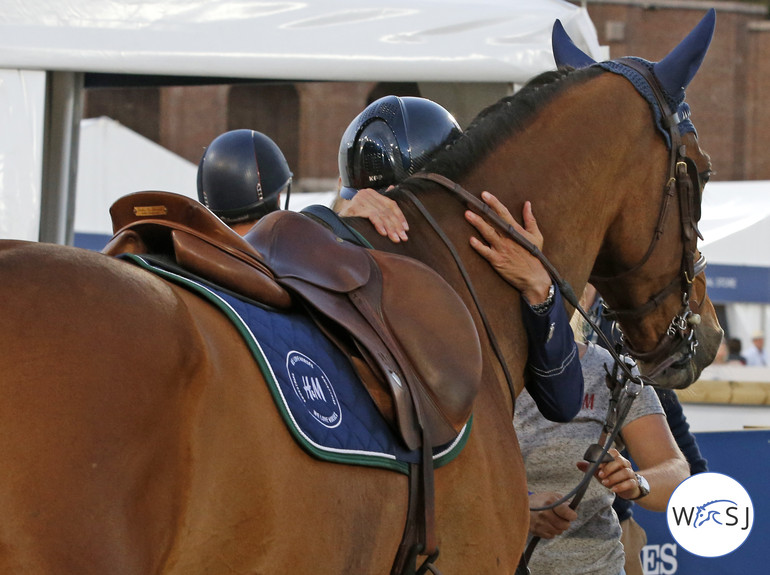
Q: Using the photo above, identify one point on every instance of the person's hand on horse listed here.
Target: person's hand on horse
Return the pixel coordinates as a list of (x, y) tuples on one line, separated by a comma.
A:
[(549, 523), (617, 475), (384, 214), (514, 263)]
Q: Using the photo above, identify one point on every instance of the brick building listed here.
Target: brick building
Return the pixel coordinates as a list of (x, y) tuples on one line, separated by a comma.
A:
[(307, 119)]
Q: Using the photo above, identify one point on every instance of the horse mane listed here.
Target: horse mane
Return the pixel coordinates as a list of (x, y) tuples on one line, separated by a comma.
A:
[(497, 122)]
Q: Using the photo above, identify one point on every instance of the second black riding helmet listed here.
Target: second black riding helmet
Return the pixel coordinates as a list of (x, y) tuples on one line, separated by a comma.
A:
[(241, 174), (391, 139)]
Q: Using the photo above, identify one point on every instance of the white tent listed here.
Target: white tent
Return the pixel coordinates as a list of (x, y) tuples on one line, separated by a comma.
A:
[(48, 48), (425, 40), (735, 223)]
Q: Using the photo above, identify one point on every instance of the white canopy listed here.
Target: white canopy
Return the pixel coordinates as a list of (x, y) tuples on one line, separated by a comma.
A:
[(735, 223), (398, 40)]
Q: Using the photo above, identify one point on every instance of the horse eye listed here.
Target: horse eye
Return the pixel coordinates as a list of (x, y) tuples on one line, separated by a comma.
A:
[(705, 176)]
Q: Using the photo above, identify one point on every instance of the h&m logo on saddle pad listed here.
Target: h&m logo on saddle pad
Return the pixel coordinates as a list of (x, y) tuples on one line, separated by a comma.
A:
[(314, 389)]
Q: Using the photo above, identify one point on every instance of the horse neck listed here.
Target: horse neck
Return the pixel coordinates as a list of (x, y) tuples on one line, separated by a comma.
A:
[(594, 183), (577, 167)]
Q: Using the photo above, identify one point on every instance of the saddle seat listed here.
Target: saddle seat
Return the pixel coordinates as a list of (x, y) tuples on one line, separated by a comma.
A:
[(421, 364)]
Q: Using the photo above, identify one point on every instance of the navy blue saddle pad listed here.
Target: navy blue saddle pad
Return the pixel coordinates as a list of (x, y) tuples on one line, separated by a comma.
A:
[(314, 385)]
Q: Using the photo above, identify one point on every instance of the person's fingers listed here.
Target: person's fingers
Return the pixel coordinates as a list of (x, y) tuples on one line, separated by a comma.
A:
[(530, 221), (486, 231), (483, 249), (499, 208), (384, 213), (618, 463), (396, 222), (530, 225), (618, 474), (566, 512), (376, 221)]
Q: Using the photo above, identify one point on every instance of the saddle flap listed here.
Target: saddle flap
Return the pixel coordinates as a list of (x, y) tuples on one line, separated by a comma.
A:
[(324, 306), (440, 340), (294, 246), (429, 356)]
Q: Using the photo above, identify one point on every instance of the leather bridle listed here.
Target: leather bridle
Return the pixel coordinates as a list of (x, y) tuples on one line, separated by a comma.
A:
[(679, 343)]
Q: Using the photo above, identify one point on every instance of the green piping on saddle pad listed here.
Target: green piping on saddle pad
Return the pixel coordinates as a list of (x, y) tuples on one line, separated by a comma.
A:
[(368, 459)]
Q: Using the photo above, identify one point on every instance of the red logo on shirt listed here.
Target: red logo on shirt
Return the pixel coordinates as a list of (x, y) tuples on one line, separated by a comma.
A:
[(588, 401)]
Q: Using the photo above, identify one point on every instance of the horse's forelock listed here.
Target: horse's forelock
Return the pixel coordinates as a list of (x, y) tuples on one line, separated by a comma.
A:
[(499, 120)]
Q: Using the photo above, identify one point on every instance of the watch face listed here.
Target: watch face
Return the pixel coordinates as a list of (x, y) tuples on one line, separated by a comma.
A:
[(644, 486)]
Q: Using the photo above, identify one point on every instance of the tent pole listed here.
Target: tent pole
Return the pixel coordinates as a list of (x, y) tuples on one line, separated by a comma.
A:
[(64, 105)]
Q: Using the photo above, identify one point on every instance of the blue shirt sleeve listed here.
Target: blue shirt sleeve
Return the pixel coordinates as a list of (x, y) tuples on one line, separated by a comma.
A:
[(553, 376)]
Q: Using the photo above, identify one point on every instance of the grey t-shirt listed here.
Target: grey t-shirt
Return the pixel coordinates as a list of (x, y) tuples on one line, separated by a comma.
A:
[(591, 545)]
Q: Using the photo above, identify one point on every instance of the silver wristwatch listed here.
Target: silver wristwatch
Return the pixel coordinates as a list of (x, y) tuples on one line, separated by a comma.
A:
[(644, 487)]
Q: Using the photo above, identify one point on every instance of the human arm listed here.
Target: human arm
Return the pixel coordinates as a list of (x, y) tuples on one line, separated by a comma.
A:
[(654, 450), (549, 523), (680, 429), (554, 375), (384, 213)]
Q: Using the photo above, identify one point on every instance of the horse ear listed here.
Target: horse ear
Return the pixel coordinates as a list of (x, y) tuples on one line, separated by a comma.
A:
[(564, 50), (675, 71)]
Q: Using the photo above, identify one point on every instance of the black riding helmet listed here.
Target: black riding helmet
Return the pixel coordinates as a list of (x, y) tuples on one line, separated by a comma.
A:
[(391, 139), (241, 174)]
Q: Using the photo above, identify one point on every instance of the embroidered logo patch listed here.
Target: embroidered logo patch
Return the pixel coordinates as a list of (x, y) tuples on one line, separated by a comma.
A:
[(314, 389)]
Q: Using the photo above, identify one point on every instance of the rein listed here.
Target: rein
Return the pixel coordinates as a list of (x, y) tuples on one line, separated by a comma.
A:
[(622, 396), (620, 403)]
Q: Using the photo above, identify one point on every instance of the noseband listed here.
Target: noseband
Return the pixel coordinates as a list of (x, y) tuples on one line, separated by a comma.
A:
[(679, 343)]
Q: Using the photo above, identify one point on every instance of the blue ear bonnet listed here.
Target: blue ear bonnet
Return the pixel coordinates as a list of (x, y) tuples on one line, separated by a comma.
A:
[(673, 73), (641, 85)]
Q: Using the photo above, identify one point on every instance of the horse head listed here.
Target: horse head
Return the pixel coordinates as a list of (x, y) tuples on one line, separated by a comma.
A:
[(663, 289)]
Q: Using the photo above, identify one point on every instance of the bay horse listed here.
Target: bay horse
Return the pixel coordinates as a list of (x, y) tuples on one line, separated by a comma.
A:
[(137, 436)]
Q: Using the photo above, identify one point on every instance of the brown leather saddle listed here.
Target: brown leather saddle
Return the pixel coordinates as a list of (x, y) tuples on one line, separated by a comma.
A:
[(407, 332), (426, 353)]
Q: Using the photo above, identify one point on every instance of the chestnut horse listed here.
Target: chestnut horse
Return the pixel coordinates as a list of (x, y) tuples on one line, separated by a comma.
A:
[(137, 437)]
